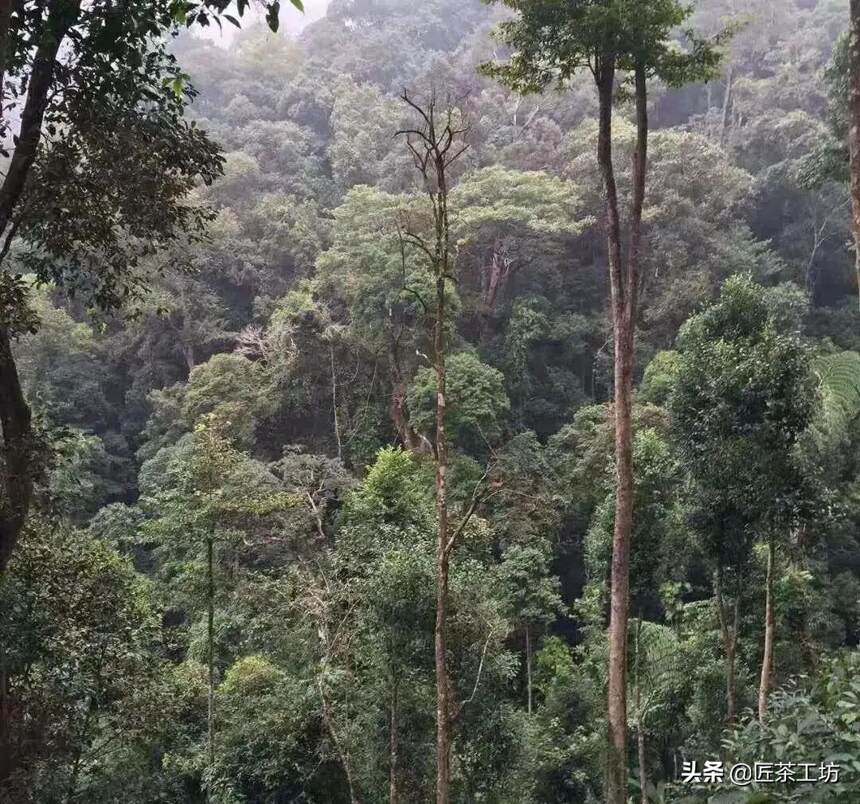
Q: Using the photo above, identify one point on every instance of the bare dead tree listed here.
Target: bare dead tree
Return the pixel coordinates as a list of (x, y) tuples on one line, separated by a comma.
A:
[(436, 142)]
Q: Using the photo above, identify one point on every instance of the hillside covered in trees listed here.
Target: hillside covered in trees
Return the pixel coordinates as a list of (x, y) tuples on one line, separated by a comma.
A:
[(359, 448)]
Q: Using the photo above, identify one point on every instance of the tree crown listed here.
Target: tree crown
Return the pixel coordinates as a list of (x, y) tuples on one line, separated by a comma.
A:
[(551, 40)]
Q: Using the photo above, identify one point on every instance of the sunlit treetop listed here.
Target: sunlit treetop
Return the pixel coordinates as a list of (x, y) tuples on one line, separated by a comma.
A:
[(551, 40)]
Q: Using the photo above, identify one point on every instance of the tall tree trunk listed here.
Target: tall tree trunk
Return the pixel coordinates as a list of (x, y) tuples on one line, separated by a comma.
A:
[(397, 409), (443, 738), (210, 650), (393, 795), (624, 286), (769, 632), (727, 105), (17, 438), (730, 639), (342, 752), (62, 15), (14, 412), (432, 156), (528, 669), (495, 280), (640, 731), (616, 766), (334, 404), (854, 129), (8, 528)]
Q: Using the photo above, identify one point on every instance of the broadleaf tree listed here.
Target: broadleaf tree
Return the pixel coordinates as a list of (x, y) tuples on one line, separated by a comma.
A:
[(98, 176), (551, 42)]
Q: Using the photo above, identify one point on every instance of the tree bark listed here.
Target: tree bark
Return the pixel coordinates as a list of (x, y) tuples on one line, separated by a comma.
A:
[(443, 739), (769, 633), (854, 130), (63, 15), (413, 441), (727, 105), (640, 731), (624, 288), (14, 412), (17, 441), (495, 280), (730, 640), (432, 156), (616, 770)]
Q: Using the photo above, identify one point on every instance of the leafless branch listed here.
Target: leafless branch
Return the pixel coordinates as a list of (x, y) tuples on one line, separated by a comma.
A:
[(471, 697)]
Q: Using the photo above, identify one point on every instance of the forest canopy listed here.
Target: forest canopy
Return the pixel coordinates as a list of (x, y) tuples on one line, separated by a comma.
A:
[(454, 401)]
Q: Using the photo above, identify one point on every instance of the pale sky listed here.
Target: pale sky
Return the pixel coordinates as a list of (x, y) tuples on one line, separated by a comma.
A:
[(292, 21)]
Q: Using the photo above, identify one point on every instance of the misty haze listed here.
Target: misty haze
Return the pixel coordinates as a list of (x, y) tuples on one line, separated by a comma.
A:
[(449, 402)]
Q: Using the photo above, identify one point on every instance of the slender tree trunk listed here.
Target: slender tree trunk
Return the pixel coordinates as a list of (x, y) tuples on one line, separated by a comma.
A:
[(393, 795), (442, 266), (210, 650), (493, 281), (624, 286), (397, 409), (432, 157), (528, 669), (342, 753), (443, 738), (730, 638), (185, 331), (854, 129), (640, 170), (334, 404), (727, 104), (62, 15), (499, 271), (8, 527), (616, 770), (769, 632), (640, 732)]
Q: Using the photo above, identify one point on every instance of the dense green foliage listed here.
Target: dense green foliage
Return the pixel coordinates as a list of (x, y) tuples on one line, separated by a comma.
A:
[(248, 440)]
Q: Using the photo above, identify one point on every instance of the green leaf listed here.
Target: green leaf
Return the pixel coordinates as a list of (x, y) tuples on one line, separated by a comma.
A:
[(180, 13), (273, 16)]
